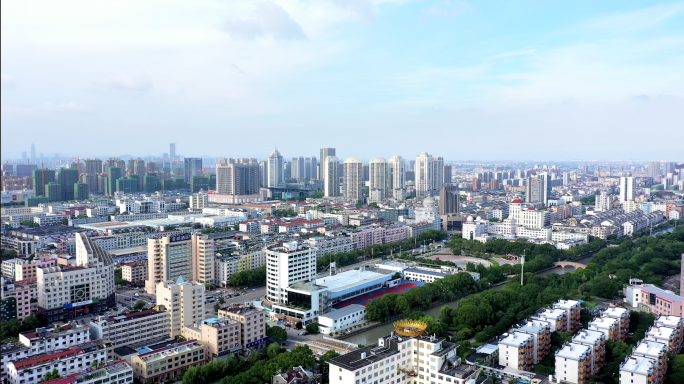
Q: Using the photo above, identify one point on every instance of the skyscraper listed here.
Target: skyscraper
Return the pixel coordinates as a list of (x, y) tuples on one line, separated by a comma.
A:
[(538, 189), (298, 168), (378, 177), (397, 177), (33, 151), (113, 174), (654, 169), (238, 177), (93, 166), (325, 152), (429, 174), (275, 170), (437, 175), (193, 167), (353, 179), (172, 152), (38, 181), (449, 200), (68, 177), (627, 187), (310, 168), (331, 176), (447, 174)]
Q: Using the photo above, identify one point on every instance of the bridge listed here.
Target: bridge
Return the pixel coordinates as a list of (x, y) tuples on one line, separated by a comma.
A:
[(564, 264)]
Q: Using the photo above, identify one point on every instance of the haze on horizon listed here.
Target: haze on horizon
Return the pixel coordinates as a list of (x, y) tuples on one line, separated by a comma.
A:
[(478, 80)]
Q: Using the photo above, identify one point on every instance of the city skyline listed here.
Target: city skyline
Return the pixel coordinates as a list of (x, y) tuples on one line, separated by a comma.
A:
[(467, 73)]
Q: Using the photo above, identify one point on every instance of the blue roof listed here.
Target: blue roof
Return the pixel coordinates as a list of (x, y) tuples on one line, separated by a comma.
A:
[(424, 272)]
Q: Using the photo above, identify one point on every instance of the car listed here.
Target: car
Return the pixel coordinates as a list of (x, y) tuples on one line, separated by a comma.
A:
[(303, 333)]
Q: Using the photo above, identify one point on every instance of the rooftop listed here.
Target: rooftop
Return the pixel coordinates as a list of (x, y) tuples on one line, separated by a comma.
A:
[(170, 349), (650, 348), (604, 322), (353, 360), (551, 313), (661, 332), (91, 373), (573, 351), (59, 354), (239, 309), (425, 272), (639, 365), (566, 304), (344, 311), (661, 293), (128, 316), (588, 336), (616, 312), (56, 331), (348, 279), (670, 321), (515, 339), (535, 326), (487, 348)]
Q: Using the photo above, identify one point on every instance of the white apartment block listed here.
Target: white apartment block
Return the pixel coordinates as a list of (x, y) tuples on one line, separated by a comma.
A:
[(516, 350), (653, 350), (67, 292), (134, 272), (66, 361), (573, 363), (330, 244), (639, 370), (609, 326), (526, 216), (341, 319), (117, 372), (397, 359), (184, 301), (665, 335), (132, 328), (596, 341), (287, 264), (556, 317), (50, 220)]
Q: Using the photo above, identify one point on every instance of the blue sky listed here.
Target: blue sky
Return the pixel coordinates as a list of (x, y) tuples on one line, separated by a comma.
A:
[(475, 80)]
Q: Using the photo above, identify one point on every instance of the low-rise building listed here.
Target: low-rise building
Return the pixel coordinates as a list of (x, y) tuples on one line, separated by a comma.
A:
[(622, 314), (653, 350), (297, 375), (22, 298), (572, 309), (221, 337), (639, 370), (330, 244), (66, 361), (49, 339), (649, 298), (225, 266), (168, 362), (252, 324), (132, 328), (597, 342), (116, 372), (341, 319), (609, 326), (556, 317), (135, 272), (541, 331), (665, 335), (573, 363), (516, 350)]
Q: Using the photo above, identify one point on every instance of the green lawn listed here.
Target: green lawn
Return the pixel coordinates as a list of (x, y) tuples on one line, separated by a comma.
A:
[(590, 303), (496, 263)]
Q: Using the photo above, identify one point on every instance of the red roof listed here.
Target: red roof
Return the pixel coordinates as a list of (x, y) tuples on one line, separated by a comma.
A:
[(517, 201), (42, 359)]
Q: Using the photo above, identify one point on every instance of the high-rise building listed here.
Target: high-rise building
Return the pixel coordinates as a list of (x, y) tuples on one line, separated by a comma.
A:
[(654, 169), (113, 174), (429, 172), (68, 177), (627, 187), (184, 300), (538, 189), (325, 152), (310, 168), (40, 179), (353, 179), (379, 180), (25, 170), (172, 151), (8, 168), (180, 254), (275, 170), (397, 177), (331, 176), (33, 151), (112, 162), (447, 173), (193, 167), (449, 200), (297, 168), (287, 264), (53, 191), (603, 201), (81, 191), (92, 166), (238, 177)]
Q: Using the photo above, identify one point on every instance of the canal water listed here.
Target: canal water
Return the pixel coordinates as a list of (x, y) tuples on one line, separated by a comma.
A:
[(371, 336)]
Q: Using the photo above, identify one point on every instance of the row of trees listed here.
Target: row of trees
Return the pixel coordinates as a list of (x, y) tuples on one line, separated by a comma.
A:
[(12, 328), (249, 278), (378, 250), (7, 254)]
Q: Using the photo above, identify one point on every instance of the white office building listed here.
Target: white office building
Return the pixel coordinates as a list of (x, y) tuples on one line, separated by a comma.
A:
[(287, 264), (331, 174)]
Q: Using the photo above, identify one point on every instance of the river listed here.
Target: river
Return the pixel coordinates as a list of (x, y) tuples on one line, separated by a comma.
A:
[(371, 336)]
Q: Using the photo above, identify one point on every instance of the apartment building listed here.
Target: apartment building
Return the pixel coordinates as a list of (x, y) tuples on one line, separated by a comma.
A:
[(252, 324), (653, 350), (21, 293), (622, 314), (287, 264), (664, 335), (66, 361), (219, 336), (639, 370), (184, 301), (168, 362), (395, 359), (116, 372), (541, 331), (573, 363), (70, 291), (516, 350), (556, 317), (132, 328), (609, 326), (649, 298), (324, 245), (597, 342), (135, 272), (183, 254), (225, 266), (676, 323), (572, 310)]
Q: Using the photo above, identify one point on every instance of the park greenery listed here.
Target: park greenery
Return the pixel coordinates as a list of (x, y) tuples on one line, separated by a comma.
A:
[(249, 278), (7, 254), (285, 213), (11, 329), (118, 279)]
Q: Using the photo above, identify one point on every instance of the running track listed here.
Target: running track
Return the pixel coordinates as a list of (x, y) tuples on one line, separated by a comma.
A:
[(363, 300)]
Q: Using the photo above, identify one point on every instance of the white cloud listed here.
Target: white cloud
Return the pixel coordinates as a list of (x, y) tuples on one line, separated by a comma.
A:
[(513, 54), (268, 19), (7, 81), (446, 9), (127, 82)]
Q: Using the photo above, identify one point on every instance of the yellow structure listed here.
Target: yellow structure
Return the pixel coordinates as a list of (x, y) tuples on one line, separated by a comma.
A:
[(410, 328)]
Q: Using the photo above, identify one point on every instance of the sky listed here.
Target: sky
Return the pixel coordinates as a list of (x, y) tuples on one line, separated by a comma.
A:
[(465, 80)]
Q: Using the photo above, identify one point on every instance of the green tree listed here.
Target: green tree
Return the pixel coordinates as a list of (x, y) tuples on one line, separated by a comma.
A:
[(312, 328), (10, 329), (30, 323), (276, 333), (139, 305), (273, 350), (678, 364)]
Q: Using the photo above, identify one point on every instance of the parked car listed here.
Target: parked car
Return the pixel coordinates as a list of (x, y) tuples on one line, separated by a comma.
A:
[(303, 333)]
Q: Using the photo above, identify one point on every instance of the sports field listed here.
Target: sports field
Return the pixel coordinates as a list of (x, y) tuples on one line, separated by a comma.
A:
[(363, 300)]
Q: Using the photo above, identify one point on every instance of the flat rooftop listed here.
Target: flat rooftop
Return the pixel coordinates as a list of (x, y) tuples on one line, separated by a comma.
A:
[(348, 279), (344, 311), (353, 361), (616, 312), (573, 351), (669, 321), (588, 336), (425, 272), (650, 348), (604, 322), (515, 339), (535, 326), (639, 365), (661, 293)]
